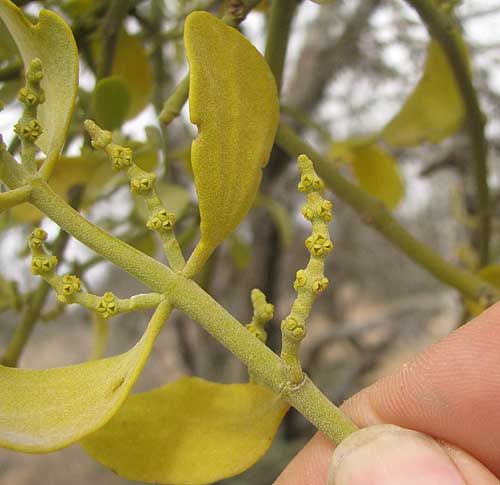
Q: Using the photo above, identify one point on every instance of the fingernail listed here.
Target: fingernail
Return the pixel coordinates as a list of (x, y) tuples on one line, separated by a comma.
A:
[(389, 455)]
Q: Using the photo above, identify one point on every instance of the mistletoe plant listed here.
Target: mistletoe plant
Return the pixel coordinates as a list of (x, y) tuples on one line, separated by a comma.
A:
[(191, 430)]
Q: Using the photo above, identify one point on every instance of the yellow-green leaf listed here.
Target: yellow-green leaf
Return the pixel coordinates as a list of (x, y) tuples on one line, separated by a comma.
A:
[(240, 251), (280, 216), (111, 101), (131, 63), (378, 174), (51, 40), (189, 432), (46, 410), (69, 172), (234, 102), (434, 110)]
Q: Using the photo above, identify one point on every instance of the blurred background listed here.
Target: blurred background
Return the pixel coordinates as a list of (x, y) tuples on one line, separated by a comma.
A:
[(350, 65)]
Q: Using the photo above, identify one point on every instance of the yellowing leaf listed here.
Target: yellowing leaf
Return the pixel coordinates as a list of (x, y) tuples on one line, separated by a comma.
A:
[(51, 40), (378, 174), (434, 110), (234, 102), (111, 102), (189, 432), (131, 63), (46, 410)]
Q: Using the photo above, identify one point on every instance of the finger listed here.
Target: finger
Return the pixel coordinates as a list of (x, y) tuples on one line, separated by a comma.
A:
[(456, 381), (451, 392), (385, 454)]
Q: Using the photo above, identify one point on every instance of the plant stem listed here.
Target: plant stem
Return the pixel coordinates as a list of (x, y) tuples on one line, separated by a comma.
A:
[(440, 28), (25, 327), (14, 197), (280, 21), (27, 324), (111, 26), (188, 297), (373, 212)]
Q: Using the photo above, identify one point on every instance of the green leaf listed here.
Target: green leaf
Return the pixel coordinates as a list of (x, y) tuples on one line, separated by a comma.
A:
[(8, 48), (131, 64), (434, 110), (234, 102), (69, 172), (280, 216), (377, 173), (175, 199), (189, 432), (9, 90), (111, 102), (51, 40), (46, 410), (241, 252)]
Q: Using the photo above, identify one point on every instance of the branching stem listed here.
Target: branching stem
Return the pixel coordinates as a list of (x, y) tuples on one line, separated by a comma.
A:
[(441, 28)]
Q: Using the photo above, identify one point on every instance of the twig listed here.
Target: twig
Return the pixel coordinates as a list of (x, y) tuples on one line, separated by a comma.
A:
[(111, 26), (374, 213), (280, 21), (440, 28)]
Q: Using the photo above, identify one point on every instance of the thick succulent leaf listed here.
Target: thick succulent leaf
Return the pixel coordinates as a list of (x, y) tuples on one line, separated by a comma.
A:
[(377, 172), (111, 102), (46, 410), (189, 432), (8, 48), (434, 110), (131, 64), (51, 40), (234, 102)]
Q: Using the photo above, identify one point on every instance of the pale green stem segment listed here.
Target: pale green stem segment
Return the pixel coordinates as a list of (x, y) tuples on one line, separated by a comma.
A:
[(280, 21), (14, 197), (11, 173), (311, 281), (440, 26), (188, 297), (28, 128), (373, 212), (142, 183), (236, 13), (68, 287)]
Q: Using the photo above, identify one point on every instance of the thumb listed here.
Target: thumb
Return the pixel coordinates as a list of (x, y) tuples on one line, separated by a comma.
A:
[(388, 455)]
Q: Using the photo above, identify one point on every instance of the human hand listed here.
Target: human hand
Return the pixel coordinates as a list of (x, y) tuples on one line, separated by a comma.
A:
[(450, 392)]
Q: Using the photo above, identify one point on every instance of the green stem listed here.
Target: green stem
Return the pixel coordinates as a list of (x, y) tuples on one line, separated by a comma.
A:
[(174, 104), (27, 324), (25, 327), (441, 28), (14, 197), (373, 212), (188, 297), (111, 26), (280, 21)]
